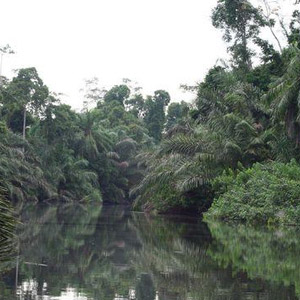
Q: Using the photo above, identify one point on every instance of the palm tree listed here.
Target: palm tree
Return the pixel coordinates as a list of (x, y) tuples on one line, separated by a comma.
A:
[(284, 96), (228, 130), (122, 164), (180, 165), (77, 181), (7, 227), (20, 170), (92, 140)]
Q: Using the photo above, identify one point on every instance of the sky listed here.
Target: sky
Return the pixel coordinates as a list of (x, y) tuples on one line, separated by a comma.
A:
[(159, 43)]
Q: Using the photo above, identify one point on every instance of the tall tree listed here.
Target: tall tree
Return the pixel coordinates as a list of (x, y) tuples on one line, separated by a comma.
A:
[(176, 113), (118, 93), (241, 23), (155, 113), (29, 93), (284, 96)]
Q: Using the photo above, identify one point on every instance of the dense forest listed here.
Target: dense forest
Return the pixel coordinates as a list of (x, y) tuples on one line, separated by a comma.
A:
[(233, 153)]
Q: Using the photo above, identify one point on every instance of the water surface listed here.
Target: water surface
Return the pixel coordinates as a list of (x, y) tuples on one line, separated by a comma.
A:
[(91, 252)]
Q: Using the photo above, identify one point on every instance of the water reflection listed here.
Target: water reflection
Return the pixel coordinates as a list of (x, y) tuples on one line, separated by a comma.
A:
[(272, 255), (91, 252), (7, 254)]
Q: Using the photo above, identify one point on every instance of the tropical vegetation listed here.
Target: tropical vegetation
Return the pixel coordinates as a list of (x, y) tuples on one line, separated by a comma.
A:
[(236, 145), (265, 193), (235, 152)]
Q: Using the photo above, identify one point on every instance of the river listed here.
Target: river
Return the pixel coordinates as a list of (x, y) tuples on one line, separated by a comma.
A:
[(93, 252)]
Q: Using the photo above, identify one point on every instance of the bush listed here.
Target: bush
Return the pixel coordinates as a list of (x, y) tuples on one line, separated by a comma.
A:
[(266, 193), (161, 200)]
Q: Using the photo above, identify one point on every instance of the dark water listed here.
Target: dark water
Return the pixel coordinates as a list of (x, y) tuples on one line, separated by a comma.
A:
[(84, 253)]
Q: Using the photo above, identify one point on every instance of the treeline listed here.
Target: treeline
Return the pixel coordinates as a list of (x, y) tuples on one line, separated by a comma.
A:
[(50, 152), (233, 147)]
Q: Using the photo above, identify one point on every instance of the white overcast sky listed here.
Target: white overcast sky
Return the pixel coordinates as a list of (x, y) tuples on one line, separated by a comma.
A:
[(158, 43)]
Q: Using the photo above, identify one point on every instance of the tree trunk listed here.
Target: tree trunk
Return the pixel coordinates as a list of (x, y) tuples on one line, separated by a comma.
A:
[(24, 123), (246, 54), (268, 17)]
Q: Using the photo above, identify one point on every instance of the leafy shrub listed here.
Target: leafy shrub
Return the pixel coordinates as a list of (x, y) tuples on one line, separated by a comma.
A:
[(161, 199), (265, 193)]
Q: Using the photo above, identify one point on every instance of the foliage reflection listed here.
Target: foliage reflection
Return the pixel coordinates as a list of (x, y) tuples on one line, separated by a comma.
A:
[(93, 252)]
